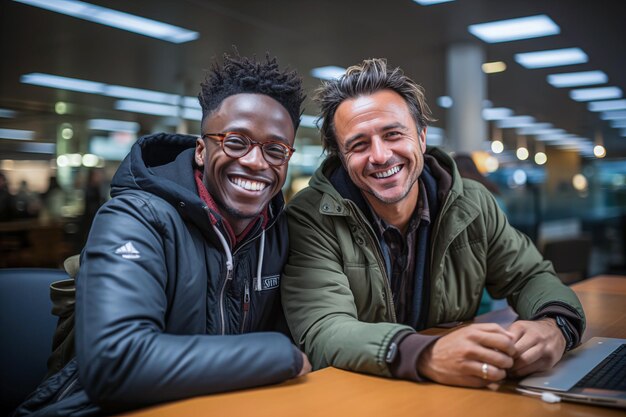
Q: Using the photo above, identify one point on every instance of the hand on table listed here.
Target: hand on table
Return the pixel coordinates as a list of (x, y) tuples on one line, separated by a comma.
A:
[(539, 345), (459, 358)]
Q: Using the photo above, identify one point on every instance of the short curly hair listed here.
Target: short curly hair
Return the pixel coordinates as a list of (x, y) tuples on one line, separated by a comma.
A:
[(367, 78), (239, 75)]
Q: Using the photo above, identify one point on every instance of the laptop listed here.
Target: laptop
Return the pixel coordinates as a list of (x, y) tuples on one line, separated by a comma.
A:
[(593, 373)]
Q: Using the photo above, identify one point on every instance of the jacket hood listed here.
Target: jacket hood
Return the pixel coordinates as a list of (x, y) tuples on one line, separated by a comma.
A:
[(163, 164)]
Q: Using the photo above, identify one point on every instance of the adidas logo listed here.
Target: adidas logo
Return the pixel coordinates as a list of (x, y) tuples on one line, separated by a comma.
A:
[(128, 251)]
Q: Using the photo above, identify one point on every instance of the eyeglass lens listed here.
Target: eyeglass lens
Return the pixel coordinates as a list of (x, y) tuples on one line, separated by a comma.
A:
[(236, 146)]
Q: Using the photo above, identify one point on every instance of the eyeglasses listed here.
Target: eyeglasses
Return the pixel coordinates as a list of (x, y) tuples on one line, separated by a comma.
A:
[(237, 145)]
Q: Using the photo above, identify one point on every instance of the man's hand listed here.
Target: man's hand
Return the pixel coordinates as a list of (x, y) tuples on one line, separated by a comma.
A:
[(306, 366), (458, 358), (539, 345)]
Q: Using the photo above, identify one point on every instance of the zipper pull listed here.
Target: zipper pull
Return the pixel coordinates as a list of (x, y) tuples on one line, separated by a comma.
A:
[(229, 271), (246, 297)]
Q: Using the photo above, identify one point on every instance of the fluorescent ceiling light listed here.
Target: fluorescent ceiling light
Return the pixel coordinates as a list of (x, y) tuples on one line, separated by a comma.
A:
[(515, 29), (132, 93), (430, 2), (496, 113), (493, 67), (116, 19), (63, 83), (147, 108), (445, 102), (551, 58), (516, 121), (600, 93), (556, 134), (16, 134), (306, 120), (191, 102), (192, 114), (607, 105), (328, 73), (618, 124), (535, 129), (577, 79), (7, 114), (613, 115), (109, 90), (109, 125)]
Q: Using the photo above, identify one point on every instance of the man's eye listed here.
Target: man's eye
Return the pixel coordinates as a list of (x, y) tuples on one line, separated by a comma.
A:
[(358, 147), (275, 150), (235, 142), (394, 135)]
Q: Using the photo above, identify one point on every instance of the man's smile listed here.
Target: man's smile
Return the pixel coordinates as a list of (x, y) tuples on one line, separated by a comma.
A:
[(388, 173), (247, 184)]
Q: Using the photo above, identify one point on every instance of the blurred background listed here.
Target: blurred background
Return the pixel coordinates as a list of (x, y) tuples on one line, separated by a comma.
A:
[(529, 92)]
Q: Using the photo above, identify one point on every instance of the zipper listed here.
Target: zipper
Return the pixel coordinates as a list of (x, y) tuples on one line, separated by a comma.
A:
[(435, 231), (246, 304), (229, 269), (229, 276), (67, 389)]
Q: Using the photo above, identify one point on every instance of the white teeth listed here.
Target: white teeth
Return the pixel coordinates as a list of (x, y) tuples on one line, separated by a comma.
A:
[(249, 185), (387, 173)]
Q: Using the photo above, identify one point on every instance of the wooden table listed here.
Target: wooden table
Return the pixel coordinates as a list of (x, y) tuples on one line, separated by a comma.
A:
[(333, 392)]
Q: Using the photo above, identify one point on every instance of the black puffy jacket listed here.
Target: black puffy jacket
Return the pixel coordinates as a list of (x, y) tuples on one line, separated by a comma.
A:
[(165, 308)]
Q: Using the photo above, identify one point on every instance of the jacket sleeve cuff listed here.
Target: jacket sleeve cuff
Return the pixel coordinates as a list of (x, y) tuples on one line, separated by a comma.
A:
[(410, 347), (574, 322), (298, 361)]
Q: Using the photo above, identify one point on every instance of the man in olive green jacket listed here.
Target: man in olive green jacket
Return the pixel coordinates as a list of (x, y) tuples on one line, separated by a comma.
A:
[(388, 240)]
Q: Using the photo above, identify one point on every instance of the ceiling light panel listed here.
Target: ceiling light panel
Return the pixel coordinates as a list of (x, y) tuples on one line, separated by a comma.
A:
[(600, 93), (613, 115), (551, 58), (116, 19), (63, 83), (431, 2), (577, 79), (515, 29), (147, 108), (607, 105), (118, 91), (497, 113), (109, 125), (535, 129), (330, 72), (445, 102), (516, 122), (493, 67)]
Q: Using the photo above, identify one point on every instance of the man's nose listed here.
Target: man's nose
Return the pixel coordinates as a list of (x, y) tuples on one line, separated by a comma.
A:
[(254, 159), (379, 151)]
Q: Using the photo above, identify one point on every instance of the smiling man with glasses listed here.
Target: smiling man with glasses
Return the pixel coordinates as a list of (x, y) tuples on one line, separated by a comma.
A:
[(178, 286)]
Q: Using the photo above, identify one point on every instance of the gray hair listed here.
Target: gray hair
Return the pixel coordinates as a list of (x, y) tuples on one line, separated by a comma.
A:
[(367, 78)]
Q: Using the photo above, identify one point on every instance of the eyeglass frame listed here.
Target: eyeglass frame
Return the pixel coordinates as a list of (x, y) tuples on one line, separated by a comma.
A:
[(253, 143)]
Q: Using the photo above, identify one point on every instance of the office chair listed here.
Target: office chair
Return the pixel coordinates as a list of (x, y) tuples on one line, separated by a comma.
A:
[(26, 330), (570, 257)]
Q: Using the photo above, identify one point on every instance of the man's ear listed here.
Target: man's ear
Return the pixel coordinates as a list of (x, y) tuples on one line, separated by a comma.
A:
[(422, 138), (200, 153)]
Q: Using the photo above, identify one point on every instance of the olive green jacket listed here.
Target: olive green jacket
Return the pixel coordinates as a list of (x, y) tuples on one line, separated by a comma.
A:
[(336, 293)]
